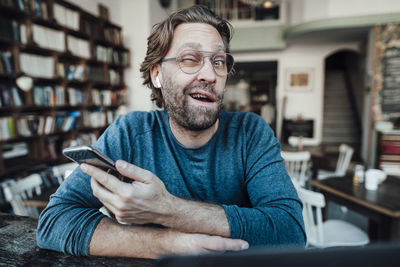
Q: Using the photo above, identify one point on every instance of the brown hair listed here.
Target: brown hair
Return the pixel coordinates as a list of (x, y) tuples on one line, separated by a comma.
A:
[(160, 39)]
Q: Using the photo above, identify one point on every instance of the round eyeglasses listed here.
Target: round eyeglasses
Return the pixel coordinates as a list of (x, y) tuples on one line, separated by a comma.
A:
[(191, 61)]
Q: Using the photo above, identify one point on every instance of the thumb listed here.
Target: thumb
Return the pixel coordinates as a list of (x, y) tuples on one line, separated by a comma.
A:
[(134, 172)]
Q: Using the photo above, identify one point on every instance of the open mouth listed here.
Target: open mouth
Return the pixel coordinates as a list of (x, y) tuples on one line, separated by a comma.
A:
[(202, 97)]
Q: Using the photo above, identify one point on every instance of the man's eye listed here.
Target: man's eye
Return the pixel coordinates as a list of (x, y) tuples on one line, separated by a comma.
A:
[(190, 58), (219, 63)]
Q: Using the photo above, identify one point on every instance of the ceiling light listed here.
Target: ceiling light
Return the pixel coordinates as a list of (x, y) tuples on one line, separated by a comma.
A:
[(268, 4)]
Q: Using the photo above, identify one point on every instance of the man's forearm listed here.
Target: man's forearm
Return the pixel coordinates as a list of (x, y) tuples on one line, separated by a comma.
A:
[(196, 217), (113, 239)]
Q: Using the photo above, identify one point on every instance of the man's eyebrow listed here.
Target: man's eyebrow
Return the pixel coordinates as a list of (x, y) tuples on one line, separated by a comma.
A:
[(219, 48)]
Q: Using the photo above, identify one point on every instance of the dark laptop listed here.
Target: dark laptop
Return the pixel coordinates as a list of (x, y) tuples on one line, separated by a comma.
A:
[(382, 255)]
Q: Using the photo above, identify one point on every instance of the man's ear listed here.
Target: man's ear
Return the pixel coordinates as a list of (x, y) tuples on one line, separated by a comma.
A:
[(155, 73)]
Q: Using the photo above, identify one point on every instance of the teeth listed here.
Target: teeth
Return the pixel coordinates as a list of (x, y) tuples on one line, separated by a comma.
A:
[(200, 96)]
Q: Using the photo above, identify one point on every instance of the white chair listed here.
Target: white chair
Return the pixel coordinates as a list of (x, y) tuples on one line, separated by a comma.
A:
[(17, 191), (343, 162), (305, 141), (297, 165), (61, 172), (331, 233)]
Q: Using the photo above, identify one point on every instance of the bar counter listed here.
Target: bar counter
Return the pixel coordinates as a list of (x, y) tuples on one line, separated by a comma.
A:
[(18, 248)]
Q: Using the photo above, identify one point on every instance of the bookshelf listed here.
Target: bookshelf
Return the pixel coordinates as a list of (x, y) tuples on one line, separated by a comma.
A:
[(76, 61), (388, 151)]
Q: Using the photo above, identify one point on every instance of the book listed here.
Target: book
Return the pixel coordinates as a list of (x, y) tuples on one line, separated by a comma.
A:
[(6, 59), (15, 30), (14, 150), (48, 38), (37, 65), (6, 97), (16, 97), (66, 17), (78, 47), (23, 30)]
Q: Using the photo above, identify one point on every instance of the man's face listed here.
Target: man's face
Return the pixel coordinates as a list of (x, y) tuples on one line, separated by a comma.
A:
[(193, 100)]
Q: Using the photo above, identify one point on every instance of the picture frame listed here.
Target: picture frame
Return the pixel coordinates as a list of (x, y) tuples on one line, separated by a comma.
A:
[(103, 12), (299, 79)]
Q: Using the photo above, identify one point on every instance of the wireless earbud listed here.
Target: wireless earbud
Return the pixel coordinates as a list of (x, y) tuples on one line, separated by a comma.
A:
[(158, 84)]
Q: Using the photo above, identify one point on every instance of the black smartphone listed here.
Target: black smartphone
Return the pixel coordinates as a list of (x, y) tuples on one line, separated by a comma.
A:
[(90, 155)]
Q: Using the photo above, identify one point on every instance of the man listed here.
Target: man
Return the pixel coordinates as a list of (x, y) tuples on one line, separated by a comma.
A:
[(202, 179)]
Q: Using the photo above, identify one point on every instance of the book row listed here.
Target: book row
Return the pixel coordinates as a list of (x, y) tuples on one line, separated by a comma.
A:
[(11, 30), (53, 96), (36, 124), (83, 72), (35, 7), (66, 17)]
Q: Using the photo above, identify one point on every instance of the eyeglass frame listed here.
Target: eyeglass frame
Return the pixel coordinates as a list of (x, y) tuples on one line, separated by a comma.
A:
[(202, 60)]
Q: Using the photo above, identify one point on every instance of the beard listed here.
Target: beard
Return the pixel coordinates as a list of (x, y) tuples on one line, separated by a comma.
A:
[(190, 116)]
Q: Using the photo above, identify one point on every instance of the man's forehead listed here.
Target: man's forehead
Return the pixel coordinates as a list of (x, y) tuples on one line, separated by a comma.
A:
[(198, 36)]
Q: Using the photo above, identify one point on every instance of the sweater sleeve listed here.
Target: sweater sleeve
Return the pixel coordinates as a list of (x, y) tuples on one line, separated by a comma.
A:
[(275, 216), (69, 220)]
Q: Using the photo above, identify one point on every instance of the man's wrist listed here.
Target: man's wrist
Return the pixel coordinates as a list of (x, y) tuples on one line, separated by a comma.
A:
[(170, 211)]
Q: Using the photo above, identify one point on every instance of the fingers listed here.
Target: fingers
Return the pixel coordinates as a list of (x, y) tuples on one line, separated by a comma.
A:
[(105, 196), (107, 180), (217, 243), (134, 172)]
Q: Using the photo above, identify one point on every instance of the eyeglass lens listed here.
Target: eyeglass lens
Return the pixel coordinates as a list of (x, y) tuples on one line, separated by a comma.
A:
[(191, 62)]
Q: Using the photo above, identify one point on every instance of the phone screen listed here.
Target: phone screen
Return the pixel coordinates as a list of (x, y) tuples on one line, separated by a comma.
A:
[(91, 158), (89, 155)]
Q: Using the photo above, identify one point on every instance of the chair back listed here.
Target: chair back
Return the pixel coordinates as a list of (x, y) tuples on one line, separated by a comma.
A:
[(297, 165), (61, 172), (313, 202), (344, 159), (17, 191)]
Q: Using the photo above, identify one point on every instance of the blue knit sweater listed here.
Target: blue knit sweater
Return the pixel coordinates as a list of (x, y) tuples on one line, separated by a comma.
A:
[(240, 168)]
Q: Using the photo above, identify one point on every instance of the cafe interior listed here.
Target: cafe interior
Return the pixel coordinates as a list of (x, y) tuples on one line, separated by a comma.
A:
[(324, 74)]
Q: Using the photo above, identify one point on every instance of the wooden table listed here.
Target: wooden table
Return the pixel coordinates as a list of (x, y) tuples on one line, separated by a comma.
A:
[(18, 248), (382, 206)]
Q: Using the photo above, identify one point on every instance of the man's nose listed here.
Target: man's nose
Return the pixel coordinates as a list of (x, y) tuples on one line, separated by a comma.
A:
[(207, 72)]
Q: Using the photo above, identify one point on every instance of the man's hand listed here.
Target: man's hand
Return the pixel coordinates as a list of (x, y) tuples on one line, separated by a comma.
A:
[(143, 201), (201, 243)]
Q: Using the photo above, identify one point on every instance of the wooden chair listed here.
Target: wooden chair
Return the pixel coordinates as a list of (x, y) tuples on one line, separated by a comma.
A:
[(61, 172), (17, 191), (330, 233), (343, 162), (297, 165)]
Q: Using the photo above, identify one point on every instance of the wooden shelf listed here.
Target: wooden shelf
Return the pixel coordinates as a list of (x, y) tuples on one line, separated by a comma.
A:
[(97, 31)]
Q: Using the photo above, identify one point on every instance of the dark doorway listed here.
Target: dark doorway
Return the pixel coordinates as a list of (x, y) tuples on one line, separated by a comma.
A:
[(253, 88), (343, 99)]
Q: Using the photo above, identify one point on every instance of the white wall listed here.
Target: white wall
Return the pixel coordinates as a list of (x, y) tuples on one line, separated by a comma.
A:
[(135, 22), (136, 18), (302, 11), (91, 6)]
